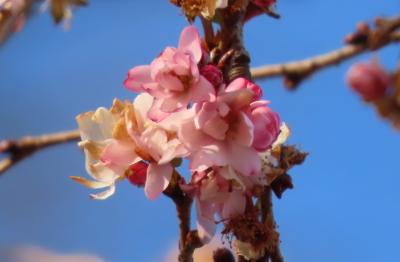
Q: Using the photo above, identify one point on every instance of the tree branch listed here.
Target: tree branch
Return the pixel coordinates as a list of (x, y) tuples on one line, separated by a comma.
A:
[(361, 41), (188, 240), (267, 217), (18, 150)]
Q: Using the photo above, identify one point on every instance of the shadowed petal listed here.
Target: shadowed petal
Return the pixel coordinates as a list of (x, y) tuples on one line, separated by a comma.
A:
[(158, 177)]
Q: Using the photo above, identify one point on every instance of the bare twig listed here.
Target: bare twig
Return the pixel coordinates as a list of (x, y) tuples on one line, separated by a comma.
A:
[(295, 72), (188, 240), (267, 217), (20, 149)]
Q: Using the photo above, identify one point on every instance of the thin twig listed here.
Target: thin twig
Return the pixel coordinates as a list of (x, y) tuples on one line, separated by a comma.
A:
[(296, 71), (18, 150), (188, 240)]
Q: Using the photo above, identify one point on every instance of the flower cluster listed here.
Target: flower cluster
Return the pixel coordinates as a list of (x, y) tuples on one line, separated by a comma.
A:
[(184, 109)]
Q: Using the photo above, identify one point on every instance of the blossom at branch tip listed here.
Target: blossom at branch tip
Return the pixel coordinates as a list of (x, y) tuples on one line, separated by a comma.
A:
[(369, 80), (173, 78)]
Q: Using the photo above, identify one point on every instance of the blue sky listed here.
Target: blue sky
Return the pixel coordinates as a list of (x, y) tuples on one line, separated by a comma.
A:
[(345, 203)]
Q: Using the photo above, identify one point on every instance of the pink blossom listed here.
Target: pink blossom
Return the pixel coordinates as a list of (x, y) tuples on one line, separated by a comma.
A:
[(222, 132), (216, 197), (156, 143), (369, 80), (173, 78), (220, 192)]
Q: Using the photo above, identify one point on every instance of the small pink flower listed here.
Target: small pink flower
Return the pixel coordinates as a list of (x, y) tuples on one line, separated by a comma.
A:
[(222, 132), (369, 80), (217, 195), (266, 125), (138, 173), (173, 78), (213, 74)]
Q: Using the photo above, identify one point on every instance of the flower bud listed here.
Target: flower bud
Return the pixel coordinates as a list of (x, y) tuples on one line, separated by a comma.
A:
[(212, 74), (369, 80), (264, 3), (266, 127), (137, 173), (243, 83)]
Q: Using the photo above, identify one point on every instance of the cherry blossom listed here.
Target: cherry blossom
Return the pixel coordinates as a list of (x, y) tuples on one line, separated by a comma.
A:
[(173, 78), (222, 132)]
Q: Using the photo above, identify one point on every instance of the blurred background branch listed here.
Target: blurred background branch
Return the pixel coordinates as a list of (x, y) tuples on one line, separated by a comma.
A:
[(363, 40), (20, 149)]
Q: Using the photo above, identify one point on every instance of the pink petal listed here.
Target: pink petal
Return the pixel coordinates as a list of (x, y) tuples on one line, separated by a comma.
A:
[(245, 160), (234, 205), (155, 113), (209, 156), (190, 42), (158, 177), (191, 137), (174, 103), (119, 154), (216, 128), (138, 76), (169, 82), (243, 130), (238, 99), (237, 84), (205, 112), (205, 220), (202, 91)]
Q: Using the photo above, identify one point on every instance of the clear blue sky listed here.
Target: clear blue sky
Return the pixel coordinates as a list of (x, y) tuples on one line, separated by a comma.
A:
[(345, 206)]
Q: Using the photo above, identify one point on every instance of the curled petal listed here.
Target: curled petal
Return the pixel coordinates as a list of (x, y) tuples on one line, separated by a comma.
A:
[(89, 183), (137, 77), (190, 41), (104, 195)]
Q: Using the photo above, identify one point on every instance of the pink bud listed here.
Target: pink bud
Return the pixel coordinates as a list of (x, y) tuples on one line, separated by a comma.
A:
[(243, 83), (212, 74), (257, 7), (266, 127), (369, 80), (264, 3), (138, 173)]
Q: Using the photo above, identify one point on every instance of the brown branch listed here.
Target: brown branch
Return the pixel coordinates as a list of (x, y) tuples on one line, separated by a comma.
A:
[(267, 217), (18, 150), (188, 240), (295, 72)]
